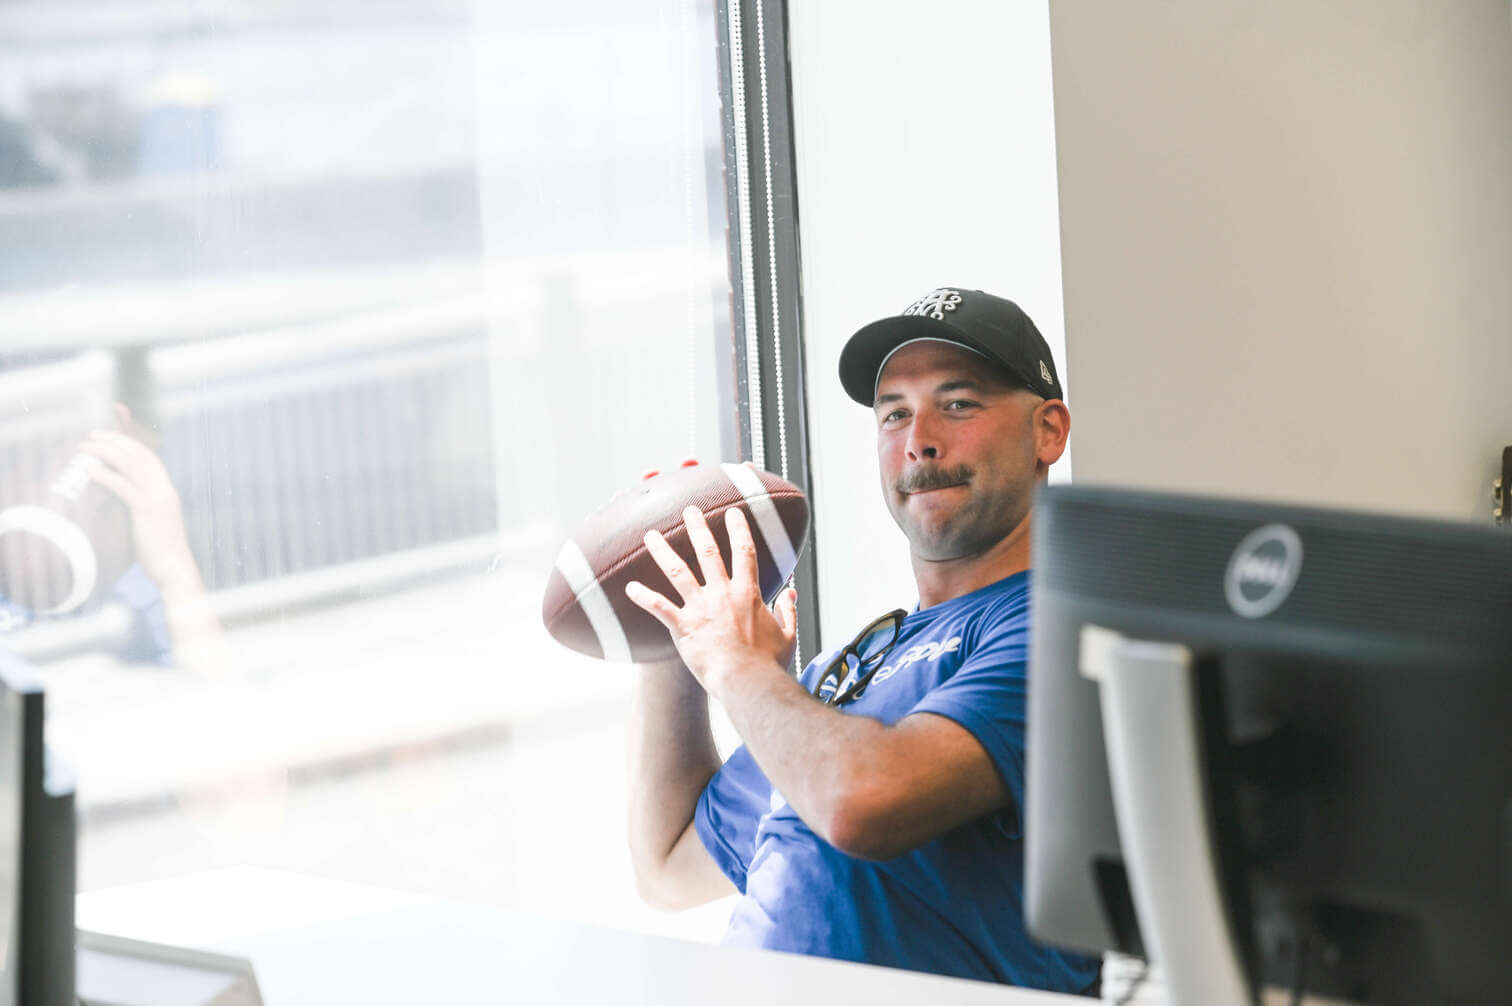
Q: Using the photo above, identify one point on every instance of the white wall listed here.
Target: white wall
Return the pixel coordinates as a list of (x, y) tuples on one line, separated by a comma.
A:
[(925, 144), (1287, 234)]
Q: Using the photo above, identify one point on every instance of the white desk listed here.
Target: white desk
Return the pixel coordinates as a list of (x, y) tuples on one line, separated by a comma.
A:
[(314, 941)]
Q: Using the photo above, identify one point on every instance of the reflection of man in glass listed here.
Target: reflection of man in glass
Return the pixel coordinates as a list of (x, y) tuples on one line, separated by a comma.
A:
[(873, 811), (171, 618)]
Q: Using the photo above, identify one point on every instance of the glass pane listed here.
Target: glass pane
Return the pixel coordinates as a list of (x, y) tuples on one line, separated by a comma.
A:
[(379, 300)]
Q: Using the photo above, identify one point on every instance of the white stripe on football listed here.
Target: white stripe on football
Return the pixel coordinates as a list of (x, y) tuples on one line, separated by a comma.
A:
[(585, 606)]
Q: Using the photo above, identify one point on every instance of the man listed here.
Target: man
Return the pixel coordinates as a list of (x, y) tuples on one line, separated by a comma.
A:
[(873, 813)]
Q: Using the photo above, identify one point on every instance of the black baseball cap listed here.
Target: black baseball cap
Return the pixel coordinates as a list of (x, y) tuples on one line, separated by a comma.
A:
[(993, 327)]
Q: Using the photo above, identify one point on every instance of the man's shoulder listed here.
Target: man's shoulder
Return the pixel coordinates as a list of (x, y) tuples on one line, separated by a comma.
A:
[(992, 616), (1008, 598)]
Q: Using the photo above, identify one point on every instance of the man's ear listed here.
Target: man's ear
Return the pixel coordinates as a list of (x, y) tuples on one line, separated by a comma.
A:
[(1052, 428)]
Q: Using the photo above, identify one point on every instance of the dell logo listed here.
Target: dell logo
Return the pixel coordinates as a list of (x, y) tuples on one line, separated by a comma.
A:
[(1263, 570)]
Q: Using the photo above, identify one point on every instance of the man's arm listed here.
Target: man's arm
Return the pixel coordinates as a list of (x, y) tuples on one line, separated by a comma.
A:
[(131, 470), (672, 758), (870, 790)]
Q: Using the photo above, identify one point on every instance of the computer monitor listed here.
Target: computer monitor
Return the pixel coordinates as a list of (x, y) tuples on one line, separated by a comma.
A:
[(37, 849), (1271, 747)]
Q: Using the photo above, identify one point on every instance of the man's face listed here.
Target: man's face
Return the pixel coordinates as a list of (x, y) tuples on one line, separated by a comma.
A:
[(956, 445)]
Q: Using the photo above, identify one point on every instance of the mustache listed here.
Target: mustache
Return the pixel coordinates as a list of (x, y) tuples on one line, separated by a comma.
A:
[(924, 479)]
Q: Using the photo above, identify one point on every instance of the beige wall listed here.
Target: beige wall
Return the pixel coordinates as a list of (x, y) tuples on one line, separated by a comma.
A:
[(1286, 236)]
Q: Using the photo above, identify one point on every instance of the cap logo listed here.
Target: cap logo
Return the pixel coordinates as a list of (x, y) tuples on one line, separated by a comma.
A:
[(1045, 373), (934, 304), (1263, 570)]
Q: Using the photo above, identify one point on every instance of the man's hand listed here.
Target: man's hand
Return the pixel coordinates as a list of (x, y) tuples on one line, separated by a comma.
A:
[(131, 470), (134, 473), (723, 624)]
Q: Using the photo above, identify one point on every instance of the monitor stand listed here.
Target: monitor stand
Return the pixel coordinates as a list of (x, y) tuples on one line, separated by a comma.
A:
[(1152, 726)]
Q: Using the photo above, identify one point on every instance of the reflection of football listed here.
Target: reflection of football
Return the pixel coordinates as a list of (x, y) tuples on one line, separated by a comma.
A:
[(585, 606), (68, 549)]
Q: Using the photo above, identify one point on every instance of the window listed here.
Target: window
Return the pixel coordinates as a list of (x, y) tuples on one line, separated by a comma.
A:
[(394, 292)]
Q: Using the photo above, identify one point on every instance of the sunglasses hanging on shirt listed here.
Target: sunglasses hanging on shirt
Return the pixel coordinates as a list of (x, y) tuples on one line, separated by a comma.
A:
[(850, 665)]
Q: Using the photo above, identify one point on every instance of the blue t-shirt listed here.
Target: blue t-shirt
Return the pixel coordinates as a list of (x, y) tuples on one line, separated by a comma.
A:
[(147, 642), (953, 906)]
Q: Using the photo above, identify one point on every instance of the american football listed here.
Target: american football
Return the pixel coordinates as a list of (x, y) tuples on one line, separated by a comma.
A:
[(585, 607), (68, 549)]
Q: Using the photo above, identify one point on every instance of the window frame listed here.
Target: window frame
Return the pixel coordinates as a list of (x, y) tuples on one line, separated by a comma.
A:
[(761, 196)]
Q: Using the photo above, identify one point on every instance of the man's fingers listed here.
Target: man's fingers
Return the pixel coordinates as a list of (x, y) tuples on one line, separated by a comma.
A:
[(132, 427), (107, 448), (124, 490), (710, 561), (126, 454), (654, 604), (742, 548), (787, 613), (683, 580)]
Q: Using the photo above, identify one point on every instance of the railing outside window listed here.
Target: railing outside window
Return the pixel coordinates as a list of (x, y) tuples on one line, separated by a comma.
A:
[(396, 293)]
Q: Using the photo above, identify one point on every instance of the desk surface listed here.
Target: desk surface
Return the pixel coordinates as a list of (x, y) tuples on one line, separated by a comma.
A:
[(314, 941)]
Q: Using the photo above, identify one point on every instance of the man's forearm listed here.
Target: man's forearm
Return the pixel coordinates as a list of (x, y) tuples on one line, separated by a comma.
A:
[(819, 759), (672, 757), (197, 641)]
